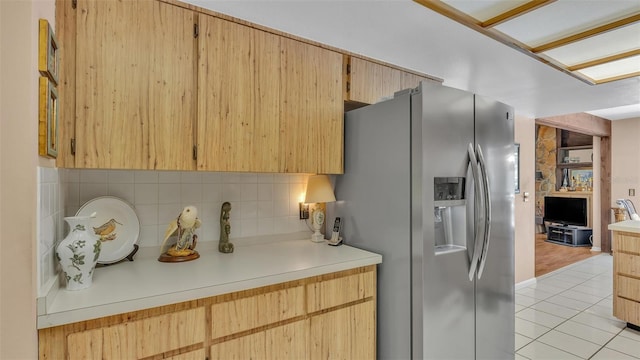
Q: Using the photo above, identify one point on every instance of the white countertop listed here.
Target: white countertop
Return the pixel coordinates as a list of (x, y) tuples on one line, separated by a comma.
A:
[(146, 282), (627, 225)]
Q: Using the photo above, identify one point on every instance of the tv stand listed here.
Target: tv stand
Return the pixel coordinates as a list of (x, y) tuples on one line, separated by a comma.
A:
[(569, 235)]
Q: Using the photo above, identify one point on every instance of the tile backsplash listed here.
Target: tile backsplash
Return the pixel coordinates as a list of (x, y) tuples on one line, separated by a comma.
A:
[(262, 204)]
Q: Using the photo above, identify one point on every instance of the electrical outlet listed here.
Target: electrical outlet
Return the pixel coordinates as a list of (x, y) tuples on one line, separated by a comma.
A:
[(304, 211), (632, 192)]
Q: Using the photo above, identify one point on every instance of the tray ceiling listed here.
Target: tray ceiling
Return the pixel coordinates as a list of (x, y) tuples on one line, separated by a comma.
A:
[(594, 41)]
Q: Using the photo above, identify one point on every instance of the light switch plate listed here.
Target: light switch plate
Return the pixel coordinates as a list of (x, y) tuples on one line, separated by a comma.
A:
[(632, 192)]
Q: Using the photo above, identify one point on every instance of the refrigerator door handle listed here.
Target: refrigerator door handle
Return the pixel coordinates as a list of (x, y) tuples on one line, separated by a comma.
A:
[(479, 205), (487, 209)]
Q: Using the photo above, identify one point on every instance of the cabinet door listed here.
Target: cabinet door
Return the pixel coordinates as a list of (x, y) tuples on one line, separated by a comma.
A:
[(288, 341), (371, 81), (135, 81), (347, 333), (311, 109), (238, 99), (85, 345), (410, 80)]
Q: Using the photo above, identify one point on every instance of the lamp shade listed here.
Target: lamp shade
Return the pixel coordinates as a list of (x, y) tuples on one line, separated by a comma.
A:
[(319, 190)]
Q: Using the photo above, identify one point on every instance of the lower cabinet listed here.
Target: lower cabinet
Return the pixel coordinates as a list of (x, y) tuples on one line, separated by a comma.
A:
[(626, 277), (330, 316)]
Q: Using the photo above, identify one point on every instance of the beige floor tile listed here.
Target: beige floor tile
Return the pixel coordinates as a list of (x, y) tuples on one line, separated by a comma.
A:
[(625, 345), (585, 332), (541, 351), (569, 343), (530, 329), (608, 354), (555, 309), (540, 317)]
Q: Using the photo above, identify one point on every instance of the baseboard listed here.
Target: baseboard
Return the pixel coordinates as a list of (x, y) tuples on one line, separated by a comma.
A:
[(524, 284), (596, 249)]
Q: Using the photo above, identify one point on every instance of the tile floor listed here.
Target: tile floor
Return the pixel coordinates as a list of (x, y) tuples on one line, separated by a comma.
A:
[(567, 314)]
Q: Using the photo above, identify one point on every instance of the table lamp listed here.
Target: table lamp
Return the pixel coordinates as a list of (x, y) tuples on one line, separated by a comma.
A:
[(319, 191)]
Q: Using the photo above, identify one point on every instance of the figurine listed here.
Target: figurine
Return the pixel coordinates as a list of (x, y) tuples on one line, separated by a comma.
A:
[(224, 246), (183, 227)]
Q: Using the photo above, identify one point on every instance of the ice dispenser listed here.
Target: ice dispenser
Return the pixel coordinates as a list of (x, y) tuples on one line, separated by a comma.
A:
[(449, 214)]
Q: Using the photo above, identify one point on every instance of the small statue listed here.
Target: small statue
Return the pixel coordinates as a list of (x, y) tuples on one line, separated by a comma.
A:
[(224, 246), (183, 227)]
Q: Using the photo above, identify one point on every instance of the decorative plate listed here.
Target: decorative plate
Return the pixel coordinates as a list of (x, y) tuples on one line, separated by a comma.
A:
[(117, 225)]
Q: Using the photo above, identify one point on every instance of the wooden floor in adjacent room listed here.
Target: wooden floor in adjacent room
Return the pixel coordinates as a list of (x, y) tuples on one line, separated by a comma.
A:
[(550, 256)]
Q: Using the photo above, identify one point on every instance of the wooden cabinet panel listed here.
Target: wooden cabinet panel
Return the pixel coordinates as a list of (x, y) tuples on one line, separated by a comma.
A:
[(626, 310), (347, 333), (265, 323), (628, 288), (626, 277), (329, 293), (192, 355), (119, 342), (628, 264), (628, 243), (370, 81), (311, 109), (135, 102), (230, 317), (85, 345), (410, 80), (66, 34), (238, 98), (288, 341), (159, 334), (246, 347)]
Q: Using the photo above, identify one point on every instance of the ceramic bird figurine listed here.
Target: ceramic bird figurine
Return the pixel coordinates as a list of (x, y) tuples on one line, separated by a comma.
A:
[(183, 227), (106, 230)]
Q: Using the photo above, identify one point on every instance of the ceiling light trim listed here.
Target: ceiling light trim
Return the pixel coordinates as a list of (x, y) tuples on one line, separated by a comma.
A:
[(616, 78), (515, 12), (587, 33), (604, 60)]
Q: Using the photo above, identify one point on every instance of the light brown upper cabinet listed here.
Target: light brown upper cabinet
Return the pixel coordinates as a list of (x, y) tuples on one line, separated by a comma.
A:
[(311, 109), (369, 82), (267, 103), (238, 97), (135, 85)]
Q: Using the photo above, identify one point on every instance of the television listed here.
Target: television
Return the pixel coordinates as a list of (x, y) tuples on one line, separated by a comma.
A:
[(565, 210)]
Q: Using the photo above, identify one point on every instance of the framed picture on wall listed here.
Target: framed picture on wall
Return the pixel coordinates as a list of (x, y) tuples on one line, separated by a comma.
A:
[(47, 118), (581, 178), (48, 54)]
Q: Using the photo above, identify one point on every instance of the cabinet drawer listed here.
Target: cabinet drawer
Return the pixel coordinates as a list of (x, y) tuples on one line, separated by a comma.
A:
[(628, 243), (627, 310), (253, 311), (628, 288), (329, 293), (159, 334), (627, 264)]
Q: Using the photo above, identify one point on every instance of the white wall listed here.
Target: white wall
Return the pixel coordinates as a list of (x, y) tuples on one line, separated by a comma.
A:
[(625, 160), (525, 210), (18, 163), (262, 204)]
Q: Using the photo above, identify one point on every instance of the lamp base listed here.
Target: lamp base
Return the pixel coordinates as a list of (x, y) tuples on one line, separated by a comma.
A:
[(317, 238)]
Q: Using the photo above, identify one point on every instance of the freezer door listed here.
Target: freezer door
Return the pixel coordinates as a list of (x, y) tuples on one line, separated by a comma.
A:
[(495, 288), (374, 204), (443, 296)]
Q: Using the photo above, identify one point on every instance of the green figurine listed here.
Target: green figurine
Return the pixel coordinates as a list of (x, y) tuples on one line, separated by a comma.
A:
[(224, 246)]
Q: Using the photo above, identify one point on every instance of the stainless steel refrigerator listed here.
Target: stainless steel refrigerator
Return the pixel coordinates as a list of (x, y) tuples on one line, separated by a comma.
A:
[(429, 184)]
